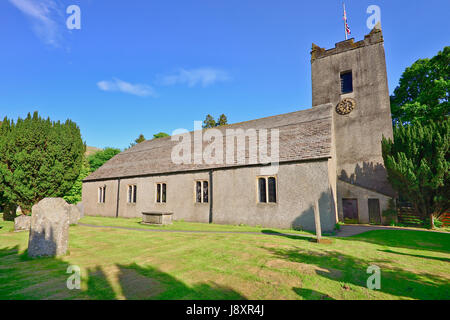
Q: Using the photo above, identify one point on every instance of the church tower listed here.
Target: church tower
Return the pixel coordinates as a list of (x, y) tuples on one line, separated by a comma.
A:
[(353, 78)]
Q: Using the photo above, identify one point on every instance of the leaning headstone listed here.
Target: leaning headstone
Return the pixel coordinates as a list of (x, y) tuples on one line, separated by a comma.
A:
[(49, 234), (22, 223), (80, 207), (74, 214)]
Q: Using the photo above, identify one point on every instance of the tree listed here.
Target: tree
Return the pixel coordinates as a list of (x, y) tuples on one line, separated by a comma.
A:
[(423, 92), (160, 135), (140, 139), (209, 122), (418, 164), (38, 159), (75, 193), (99, 158), (222, 120)]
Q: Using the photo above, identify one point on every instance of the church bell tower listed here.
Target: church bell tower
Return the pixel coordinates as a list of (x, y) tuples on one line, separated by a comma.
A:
[(353, 78)]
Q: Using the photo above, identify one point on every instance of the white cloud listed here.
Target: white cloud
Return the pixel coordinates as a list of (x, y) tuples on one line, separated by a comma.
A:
[(43, 15), (194, 77), (141, 90)]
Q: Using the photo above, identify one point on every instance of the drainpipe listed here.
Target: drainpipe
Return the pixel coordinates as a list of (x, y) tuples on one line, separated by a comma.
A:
[(118, 197), (210, 196)]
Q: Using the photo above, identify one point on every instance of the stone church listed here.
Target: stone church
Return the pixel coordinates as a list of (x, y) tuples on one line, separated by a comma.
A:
[(329, 154)]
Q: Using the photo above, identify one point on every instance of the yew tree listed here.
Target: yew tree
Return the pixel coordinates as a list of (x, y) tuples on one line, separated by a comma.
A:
[(39, 158), (418, 165)]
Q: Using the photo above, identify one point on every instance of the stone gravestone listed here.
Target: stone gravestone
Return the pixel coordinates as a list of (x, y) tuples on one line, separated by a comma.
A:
[(74, 214), (22, 223), (80, 207), (49, 234)]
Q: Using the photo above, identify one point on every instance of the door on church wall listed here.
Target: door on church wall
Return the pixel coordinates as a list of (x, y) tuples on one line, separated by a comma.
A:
[(350, 208), (374, 211)]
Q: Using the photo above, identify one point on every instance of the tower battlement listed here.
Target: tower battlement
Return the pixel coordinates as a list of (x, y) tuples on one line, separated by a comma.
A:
[(374, 37)]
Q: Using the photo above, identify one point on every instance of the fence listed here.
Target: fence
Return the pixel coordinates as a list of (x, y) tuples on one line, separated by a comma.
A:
[(446, 219)]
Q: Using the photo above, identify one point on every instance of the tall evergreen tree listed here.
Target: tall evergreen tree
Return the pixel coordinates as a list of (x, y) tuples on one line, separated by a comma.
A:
[(418, 165), (38, 159)]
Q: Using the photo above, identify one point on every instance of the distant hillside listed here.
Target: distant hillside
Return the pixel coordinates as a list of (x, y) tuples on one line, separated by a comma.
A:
[(91, 150)]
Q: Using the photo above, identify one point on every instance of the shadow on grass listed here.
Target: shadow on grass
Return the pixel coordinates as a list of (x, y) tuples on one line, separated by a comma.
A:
[(286, 235), (417, 255), (309, 294), (139, 282), (395, 281), (25, 278), (418, 240)]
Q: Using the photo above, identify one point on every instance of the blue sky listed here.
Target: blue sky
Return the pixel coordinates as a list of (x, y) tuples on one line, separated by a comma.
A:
[(140, 66)]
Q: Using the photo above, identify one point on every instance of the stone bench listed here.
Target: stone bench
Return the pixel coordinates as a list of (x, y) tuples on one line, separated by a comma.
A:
[(157, 218)]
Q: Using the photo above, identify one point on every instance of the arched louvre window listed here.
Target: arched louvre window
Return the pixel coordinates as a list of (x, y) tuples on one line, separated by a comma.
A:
[(346, 82)]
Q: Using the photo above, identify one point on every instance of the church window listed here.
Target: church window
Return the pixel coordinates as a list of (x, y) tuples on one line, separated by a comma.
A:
[(202, 191), (132, 193), (101, 194), (267, 190), (346, 82), (161, 193)]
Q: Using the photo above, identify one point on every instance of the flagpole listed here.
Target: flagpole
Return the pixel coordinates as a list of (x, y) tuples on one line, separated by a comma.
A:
[(345, 21)]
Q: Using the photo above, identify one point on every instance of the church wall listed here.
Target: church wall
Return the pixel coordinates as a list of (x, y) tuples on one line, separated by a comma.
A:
[(298, 186), (235, 197), (90, 198)]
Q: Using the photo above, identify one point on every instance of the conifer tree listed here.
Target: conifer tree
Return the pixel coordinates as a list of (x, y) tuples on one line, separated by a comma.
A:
[(418, 165), (38, 159), (222, 120), (209, 122)]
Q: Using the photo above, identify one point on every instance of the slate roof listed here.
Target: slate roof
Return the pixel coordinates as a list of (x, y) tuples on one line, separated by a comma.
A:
[(303, 135)]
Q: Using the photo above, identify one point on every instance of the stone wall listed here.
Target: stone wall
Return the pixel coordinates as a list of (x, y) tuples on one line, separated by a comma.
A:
[(234, 197)]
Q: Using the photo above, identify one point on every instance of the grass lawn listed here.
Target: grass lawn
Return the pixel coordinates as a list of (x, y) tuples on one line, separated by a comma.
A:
[(184, 226), (130, 264)]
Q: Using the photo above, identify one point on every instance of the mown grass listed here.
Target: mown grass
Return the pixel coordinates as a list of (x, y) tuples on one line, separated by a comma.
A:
[(130, 264), (184, 226)]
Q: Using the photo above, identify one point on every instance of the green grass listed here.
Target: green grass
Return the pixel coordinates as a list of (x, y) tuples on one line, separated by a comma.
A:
[(184, 226), (130, 264)]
